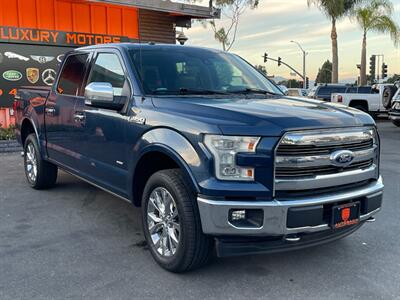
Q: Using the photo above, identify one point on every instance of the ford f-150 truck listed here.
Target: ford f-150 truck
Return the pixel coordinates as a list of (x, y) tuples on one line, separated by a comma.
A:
[(213, 153)]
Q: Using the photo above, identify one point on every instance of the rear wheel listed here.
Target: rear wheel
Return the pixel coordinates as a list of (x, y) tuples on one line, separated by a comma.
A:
[(39, 173), (171, 223)]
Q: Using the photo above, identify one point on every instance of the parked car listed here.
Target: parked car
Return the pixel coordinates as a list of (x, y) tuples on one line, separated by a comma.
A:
[(394, 113), (375, 102), (324, 91), (297, 92), (211, 150)]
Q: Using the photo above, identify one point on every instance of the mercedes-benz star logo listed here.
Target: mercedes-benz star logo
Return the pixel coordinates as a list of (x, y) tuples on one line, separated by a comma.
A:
[(49, 76)]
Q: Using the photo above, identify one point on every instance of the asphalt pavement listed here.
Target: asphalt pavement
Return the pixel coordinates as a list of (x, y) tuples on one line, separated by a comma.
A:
[(75, 242)]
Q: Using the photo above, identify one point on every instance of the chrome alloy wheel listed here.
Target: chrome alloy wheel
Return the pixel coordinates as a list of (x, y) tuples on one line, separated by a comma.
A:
[(31, 162), (163, 222)]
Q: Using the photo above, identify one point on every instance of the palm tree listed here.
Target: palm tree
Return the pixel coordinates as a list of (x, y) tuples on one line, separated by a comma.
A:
[(376, 15), (334, 10)]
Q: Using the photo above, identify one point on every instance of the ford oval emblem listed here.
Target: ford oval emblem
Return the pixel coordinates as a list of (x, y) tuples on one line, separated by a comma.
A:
[(342, 158)]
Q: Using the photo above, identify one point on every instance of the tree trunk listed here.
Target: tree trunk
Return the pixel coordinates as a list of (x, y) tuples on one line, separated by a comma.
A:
[(335, 57), (363, 71)]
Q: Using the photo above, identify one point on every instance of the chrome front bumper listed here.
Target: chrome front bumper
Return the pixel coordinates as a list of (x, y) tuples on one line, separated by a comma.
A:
[(215, 214)]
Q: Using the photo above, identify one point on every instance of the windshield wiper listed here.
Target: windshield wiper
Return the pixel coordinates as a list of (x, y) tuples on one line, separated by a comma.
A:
[(254, 91), (189, 91)]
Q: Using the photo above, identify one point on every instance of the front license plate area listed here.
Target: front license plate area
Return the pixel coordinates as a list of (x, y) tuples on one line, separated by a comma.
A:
[(345, 215)]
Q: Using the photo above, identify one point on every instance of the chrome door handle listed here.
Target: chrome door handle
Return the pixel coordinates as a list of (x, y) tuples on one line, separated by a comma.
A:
[(50, 110), (78, 117)]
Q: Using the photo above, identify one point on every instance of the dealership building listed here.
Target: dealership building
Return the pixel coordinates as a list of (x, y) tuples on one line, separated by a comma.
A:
[(35, 34)]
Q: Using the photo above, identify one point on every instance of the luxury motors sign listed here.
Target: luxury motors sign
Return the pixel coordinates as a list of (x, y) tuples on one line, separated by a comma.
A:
[(54, 37), (31, 57)]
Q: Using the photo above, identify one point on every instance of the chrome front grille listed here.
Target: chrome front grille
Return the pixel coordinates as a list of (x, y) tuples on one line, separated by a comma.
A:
[(326, 158), (297, 150)]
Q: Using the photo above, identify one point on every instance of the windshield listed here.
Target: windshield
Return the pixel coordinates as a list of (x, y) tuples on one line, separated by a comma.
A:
[(178, 71)]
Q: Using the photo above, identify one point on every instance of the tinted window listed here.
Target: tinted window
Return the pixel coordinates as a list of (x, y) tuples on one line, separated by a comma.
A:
[(364, 90), (108, 68), (352, 90), (163, 71), (325, 90), (72, 75)]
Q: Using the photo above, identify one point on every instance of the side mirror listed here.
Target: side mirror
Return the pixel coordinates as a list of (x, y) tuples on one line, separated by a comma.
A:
[(99, 92)]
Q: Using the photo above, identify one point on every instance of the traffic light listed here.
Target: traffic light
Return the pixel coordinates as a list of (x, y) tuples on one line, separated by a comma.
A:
[(372, 64), (279, 61), (265, 57), (384, 71), (307, 83)]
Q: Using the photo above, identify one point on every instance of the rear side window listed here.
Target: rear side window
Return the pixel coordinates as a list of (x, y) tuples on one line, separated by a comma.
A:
[(72, 75), (325, 90), (364, 90)]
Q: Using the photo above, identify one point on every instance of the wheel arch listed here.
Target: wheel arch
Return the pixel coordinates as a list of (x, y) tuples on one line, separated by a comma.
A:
[(361, 102), (28, 127), (161, 149)]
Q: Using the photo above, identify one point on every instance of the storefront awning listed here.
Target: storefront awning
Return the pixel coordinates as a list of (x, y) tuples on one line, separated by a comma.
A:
[(182, 9)]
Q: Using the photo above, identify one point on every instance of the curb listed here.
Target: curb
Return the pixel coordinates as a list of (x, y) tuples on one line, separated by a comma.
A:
[(10, 146)]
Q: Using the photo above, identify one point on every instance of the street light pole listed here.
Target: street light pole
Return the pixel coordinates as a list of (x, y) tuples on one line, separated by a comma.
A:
[(304, 63)]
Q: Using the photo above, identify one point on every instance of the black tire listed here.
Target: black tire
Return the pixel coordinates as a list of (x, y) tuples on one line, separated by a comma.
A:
[(194, 247), (387, 96), (46, 172), (396, 122)]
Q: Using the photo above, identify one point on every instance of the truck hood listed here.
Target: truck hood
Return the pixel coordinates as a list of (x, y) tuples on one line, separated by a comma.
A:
[(263, 116)]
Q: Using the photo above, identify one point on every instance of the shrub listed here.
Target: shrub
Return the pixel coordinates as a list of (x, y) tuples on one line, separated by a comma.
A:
[(7, 133)]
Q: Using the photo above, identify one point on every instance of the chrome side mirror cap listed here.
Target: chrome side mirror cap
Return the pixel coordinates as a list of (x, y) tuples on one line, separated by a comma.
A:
[(99, 93)]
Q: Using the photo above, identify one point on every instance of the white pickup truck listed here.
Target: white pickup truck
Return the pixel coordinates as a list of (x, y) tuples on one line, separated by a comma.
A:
[(379, 100)]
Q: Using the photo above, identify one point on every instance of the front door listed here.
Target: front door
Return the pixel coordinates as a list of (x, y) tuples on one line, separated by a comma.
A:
[(105, 147), (62, 130)]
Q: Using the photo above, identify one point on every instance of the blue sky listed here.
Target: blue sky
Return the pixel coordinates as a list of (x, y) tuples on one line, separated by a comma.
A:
[(271, 26)]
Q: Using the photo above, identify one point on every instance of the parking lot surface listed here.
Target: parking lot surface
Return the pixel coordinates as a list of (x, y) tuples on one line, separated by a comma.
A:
[(76, 241)]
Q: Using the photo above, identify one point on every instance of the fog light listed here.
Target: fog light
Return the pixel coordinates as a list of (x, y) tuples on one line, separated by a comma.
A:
[(246, 218), (237, 215)]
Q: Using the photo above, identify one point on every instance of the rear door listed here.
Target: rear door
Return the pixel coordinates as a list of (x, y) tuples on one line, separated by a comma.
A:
[(104, 146), (62, 130)]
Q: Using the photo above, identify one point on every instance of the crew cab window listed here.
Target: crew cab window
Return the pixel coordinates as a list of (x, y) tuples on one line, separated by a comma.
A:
[(72, 75), (108, 68)]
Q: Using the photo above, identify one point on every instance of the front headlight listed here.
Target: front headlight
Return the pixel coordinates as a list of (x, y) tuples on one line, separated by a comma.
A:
[(225, 149)]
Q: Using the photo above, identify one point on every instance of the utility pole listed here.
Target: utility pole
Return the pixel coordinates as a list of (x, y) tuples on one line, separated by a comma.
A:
[(304, 63), (379, 64)]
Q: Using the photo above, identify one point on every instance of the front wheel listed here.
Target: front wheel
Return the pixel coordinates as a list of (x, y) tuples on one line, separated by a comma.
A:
[(171, 223), (39, 173)]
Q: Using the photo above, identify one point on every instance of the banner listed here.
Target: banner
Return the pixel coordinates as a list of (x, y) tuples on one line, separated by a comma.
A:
[(54, 37)]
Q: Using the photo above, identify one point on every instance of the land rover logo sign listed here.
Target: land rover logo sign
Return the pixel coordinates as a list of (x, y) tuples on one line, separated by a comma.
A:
[(342, 158), (12, 75)]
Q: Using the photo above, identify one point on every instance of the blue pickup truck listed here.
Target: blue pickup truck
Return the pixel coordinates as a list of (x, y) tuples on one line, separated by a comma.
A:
[(209, 148)]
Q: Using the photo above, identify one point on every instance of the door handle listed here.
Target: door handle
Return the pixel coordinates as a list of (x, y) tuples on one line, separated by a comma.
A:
[(50, 110), (79, 117)]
